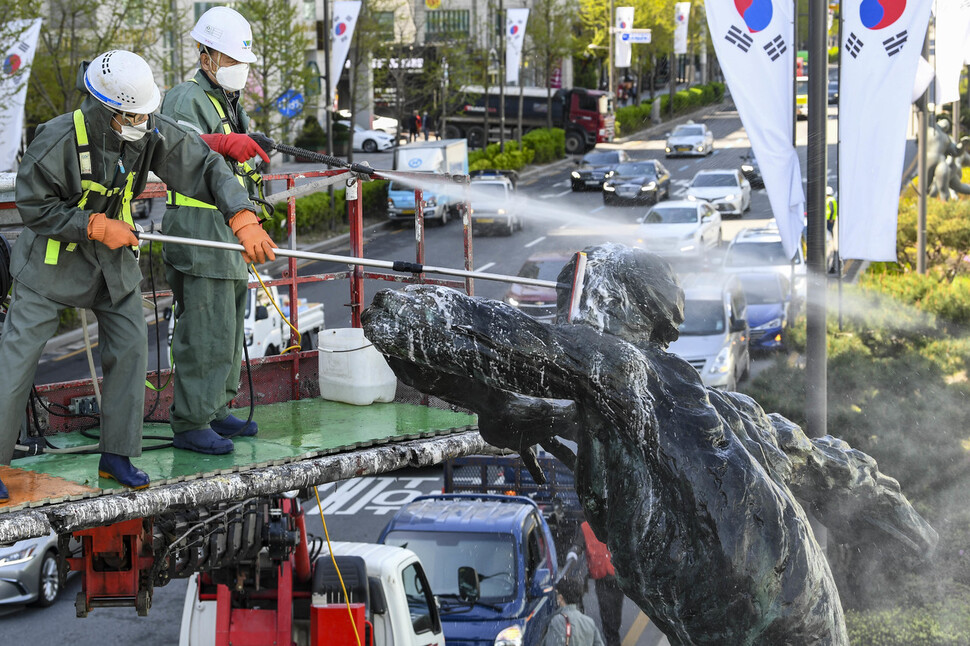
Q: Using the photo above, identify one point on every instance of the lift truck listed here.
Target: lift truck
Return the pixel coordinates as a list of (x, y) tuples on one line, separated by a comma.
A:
[(254, 580)]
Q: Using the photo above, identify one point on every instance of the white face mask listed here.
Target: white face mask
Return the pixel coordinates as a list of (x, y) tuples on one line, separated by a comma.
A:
[(136, 132), (233, 78)]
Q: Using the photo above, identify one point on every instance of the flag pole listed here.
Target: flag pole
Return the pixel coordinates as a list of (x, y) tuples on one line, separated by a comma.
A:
[(816, 354)]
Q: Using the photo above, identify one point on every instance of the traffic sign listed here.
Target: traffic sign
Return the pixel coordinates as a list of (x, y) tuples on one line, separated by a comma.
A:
[(636, 36), (290, 103)]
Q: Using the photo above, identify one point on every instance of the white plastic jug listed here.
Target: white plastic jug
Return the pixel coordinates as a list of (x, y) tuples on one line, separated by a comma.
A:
[(352, 370)]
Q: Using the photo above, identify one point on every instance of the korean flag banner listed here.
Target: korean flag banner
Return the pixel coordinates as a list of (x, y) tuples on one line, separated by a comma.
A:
[(881, 45), (515, 22), (345, 14), (753, 40)]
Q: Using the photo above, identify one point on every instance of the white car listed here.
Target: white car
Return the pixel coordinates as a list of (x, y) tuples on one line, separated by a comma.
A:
[(383, 124), (759, 249), (680, 228), (689, 139), (493, 205), (371, 141), (726, 190)]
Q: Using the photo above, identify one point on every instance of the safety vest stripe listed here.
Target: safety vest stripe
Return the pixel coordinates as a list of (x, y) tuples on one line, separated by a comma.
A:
[(177, 199), (88, 186)]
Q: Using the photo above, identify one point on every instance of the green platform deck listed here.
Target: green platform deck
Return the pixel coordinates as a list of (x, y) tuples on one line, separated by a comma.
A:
[(288, 432)]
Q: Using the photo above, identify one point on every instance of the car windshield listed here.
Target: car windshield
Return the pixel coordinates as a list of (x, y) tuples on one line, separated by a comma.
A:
[(714, 179), (702, 318), (678, 215), (636, 170), (442, 553), (753, 254), (762, 290), (542, 269), (600, 158), (490, 189), (688, 131)]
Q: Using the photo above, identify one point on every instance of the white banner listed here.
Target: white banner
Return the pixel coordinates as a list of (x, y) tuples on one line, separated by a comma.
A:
[(345, 14), (924, 76), (622, 50), (13, 86), (756, 53), (880, 50), (515, 22), (681, 16), (952, 33)]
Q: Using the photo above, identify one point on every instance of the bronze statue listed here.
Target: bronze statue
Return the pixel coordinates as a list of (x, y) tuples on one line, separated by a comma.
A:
[(945, 160), (693, 490)]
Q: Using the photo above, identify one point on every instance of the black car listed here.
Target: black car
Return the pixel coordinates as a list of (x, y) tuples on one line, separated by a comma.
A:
[(752, 172), (833, 92), (594, 166), (637, 182)]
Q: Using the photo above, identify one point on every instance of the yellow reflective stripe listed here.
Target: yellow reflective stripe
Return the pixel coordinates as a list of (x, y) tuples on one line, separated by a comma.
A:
[(80, 131), (53, 250), (177, 199)]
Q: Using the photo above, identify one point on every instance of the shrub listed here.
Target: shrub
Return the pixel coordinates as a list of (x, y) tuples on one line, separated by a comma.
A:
[(315, 213), (943, 624), (547, 144)]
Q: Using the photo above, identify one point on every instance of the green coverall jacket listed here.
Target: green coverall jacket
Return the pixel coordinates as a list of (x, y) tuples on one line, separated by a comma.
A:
[(189, 106), (49, 187)]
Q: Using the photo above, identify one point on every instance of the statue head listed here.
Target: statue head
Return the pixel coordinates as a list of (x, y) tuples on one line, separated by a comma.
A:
[(628, 293)]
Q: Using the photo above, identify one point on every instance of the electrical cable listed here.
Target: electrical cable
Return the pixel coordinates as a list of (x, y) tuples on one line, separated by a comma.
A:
[(334, 559), (299, 337)]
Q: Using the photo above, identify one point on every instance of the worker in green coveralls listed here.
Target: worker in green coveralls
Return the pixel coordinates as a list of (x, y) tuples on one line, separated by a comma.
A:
[(210, 285), (74, 190)]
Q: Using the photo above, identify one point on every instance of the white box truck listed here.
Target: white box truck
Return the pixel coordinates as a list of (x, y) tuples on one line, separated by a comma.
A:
[(448, 156)]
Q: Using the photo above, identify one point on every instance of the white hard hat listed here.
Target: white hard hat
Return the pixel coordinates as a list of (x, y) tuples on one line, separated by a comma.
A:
[(829, 190), (123, 81), (225, 30)]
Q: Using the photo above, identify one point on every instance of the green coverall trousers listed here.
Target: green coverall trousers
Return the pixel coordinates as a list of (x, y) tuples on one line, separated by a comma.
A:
[(206, 347), (122, 339)]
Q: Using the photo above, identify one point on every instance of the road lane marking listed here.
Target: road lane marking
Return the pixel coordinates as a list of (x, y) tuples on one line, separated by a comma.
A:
[(484, 267), (683, 168), (598, 209), (633, 635), (535, 242), (564, 193)]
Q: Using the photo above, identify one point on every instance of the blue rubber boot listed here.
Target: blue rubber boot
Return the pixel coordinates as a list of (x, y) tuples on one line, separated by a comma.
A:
[(202, 440), (232, 426), (120, 468), (4, 496)]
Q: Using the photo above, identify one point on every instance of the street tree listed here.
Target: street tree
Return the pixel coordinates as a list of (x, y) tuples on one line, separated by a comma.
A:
[(280, 43), (550, 31)]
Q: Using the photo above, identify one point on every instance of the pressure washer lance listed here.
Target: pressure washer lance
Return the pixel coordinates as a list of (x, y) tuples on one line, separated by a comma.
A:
[(268, 144), (394, 265)]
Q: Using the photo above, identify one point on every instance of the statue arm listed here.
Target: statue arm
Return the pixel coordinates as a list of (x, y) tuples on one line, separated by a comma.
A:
[(849, 494)]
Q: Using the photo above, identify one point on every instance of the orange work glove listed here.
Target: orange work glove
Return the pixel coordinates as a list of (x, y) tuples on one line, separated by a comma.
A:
[(113, 234), (235, 145), (259, 246)]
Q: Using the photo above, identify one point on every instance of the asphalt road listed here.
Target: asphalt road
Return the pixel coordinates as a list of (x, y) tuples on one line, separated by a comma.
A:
[(557, 220)]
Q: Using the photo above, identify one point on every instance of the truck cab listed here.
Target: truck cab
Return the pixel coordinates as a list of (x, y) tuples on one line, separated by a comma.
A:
[(491, 561), (390, 581), (443, 156)]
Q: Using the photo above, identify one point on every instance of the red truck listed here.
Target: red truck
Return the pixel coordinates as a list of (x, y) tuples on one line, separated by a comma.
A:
[(586, 115)]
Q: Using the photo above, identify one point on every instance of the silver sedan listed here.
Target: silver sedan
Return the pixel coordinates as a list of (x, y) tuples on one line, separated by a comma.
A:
[(689, 139), (28, 572), (680, 229)]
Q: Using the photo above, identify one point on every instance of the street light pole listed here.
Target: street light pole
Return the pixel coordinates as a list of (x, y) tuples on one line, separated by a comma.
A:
[(612, 22), (816, 357), (501, 62)]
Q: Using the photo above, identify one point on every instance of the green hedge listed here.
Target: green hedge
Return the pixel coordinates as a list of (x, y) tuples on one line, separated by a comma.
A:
[(944, 624), (949, 301), (512, 159), (315, 212), (636, 117), (539, 146)]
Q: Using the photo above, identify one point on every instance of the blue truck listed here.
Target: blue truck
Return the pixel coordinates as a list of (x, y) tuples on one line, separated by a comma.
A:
[(491, 561), (449, 156)]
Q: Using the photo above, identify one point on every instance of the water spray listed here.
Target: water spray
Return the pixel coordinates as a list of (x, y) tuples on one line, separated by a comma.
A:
[(394, 265)]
